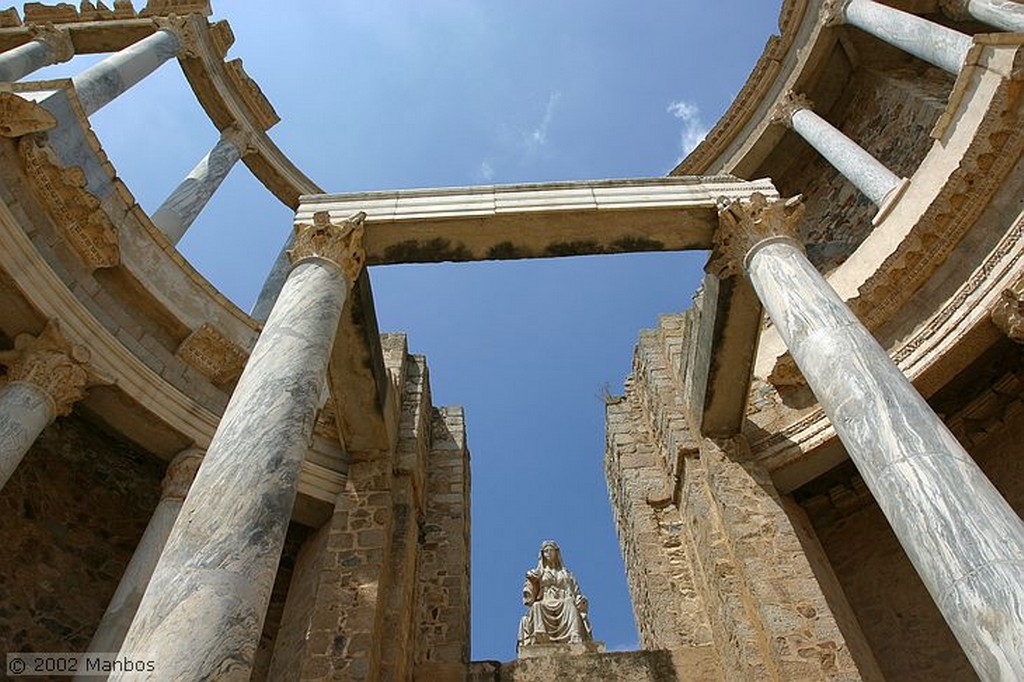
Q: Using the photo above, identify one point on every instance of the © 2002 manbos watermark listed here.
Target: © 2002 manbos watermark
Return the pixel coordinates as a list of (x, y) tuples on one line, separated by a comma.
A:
[(72, 664)]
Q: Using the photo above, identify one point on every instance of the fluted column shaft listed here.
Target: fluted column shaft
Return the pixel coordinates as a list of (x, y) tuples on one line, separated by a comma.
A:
[(934, 43), (866, 172), (48, 46), (177, 213), (203, 611), (963, 538), (123, 605), (100, 84), (45, 376)]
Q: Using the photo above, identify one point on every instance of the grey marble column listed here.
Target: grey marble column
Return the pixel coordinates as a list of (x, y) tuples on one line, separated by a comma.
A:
[(934, 43), (866, 172), (963, 538), (1004, 14), (48, 46), (180, 209), (202, 614), (123, 605), (101, 83), (45, 377)]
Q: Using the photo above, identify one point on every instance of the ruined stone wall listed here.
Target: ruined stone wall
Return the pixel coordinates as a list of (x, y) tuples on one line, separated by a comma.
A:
[(443, 636), (890, 114), (73, 512), (623, 666)]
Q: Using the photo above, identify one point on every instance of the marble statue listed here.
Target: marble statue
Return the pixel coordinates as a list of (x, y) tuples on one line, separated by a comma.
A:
[(557, 610)]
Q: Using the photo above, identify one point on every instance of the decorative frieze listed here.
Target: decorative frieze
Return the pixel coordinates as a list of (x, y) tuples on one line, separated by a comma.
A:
[(222, 38), (76, 212), (255, 101), (50, 363), (212, 354), (57, 39), (743, 225), (19, 117), (341, 243)]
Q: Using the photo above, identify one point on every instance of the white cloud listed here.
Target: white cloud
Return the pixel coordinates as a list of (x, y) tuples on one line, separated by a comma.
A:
[(538, 137), (694, 128), (486, 171)]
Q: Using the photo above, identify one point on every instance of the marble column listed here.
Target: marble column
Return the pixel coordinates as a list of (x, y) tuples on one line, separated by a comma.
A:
[(180, 209), (878, 183), (123, 605), (1005, 14), (962, 537), (46, 375), (49, 45), (203, 611), (926, 40), (101, 83)]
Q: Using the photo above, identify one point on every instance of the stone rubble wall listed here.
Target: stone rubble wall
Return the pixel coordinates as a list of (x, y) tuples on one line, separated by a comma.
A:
[(622, 666)]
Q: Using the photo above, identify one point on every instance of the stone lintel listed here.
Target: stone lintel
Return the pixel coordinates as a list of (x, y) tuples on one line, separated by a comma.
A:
[(498, 222)]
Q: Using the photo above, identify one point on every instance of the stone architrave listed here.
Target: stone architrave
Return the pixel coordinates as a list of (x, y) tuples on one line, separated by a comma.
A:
[(46, 375), (49, 45), (123, 605), (202, 615), (964, 540)]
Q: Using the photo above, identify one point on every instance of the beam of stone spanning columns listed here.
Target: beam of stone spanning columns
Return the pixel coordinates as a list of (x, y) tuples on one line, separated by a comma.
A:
[(934, 43), (177, 213), (100, 84), (123, 605), (203, 611), (1005, 14), (868, 174), (49, 45), (962, 537), (46, 375)]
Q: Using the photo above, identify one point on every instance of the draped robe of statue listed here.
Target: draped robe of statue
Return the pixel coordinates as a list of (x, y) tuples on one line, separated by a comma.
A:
[(557, 610)]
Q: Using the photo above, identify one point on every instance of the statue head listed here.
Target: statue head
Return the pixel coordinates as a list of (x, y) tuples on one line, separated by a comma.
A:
[(550, 554)]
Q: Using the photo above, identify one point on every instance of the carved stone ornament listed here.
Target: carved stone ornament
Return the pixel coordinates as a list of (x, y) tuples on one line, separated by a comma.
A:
[(75, 211), (243, 140), (180, 474), (212, 354), (743, 225), (50, 363), (184, 29), (57, 39), (340, 243), (1008, 314), (833, 12), (955, 9), (19, 117), (791, 103), (180, 7)]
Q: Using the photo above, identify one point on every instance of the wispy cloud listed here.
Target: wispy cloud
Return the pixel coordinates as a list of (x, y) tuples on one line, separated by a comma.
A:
[(486, 171), (534, 139), (694, 128)]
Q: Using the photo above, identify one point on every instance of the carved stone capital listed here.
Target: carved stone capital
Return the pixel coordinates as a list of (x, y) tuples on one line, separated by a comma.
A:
[(1008, 314), (790, 103), (743, 225), (57, 39), (50, 363), (180, 474), (212, 354), (341, 243), (833, 12), (955, 9), (184, 29), (243, 140)]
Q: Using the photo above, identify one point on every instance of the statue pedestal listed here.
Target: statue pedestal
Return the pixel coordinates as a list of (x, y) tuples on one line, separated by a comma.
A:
[(554, 649)]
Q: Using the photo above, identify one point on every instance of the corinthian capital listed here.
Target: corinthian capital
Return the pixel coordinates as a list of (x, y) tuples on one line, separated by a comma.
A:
[(184, 29), (743, 225), (50, 363), (57, 39), (180, 474), (243, 140), (790, 103), (341, 243), (833, 12)]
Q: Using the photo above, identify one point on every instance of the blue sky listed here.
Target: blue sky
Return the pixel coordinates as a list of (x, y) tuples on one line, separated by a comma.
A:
[(390, 94)]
